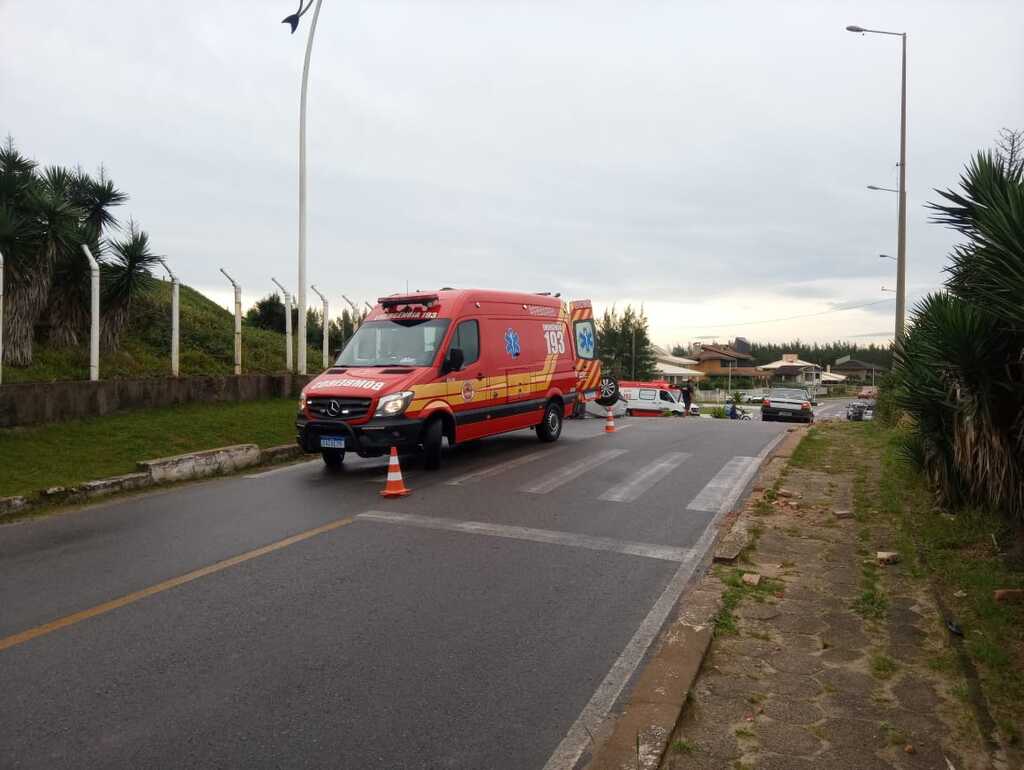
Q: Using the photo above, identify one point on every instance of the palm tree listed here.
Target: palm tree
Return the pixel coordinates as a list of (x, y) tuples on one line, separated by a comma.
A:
[(125, 275), (38, 224), (68, 311)]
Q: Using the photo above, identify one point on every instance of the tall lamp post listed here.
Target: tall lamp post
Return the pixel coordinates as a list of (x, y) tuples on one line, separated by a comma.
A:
[(293, 21), (901, 254), (175, 318)]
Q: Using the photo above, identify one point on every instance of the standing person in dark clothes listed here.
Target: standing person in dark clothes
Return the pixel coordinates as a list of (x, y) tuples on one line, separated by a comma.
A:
[(687, 398)]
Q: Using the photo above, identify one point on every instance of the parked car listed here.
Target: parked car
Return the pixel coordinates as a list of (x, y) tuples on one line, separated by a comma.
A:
[(754, 398), (860, 410), (787, 405)]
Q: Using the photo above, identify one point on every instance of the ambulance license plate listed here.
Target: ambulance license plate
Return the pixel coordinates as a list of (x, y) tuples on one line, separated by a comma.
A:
[(332, 442), (785, 414)]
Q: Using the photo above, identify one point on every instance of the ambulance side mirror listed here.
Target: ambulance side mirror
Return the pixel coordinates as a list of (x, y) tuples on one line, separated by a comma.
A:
[(453, 361)]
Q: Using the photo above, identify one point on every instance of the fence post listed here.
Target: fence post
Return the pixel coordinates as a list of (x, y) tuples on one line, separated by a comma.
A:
[(238, 322), (94, 323), (287, 325), (174, 318), (326, 325)]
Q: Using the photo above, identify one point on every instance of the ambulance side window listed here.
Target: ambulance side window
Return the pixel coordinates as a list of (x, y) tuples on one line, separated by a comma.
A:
[(467, 339), (666, 396), (648, 395)]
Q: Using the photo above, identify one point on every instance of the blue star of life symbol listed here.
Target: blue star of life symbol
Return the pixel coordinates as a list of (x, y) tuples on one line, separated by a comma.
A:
[(512, 343), (586, 342)]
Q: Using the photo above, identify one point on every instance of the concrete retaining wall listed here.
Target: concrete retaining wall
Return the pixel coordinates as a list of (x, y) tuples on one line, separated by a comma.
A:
[(40, 402)]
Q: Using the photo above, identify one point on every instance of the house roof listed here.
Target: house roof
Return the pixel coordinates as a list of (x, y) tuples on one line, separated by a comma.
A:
[(662, 355), (787, 370), (720, 351), (854, 365), (676, 371), (796, 364), (832, 377)]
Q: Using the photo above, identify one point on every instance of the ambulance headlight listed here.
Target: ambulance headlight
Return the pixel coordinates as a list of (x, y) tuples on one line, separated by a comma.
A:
[(394, 404)]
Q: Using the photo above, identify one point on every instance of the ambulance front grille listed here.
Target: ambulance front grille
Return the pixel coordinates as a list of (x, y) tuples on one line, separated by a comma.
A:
[(338, 408)]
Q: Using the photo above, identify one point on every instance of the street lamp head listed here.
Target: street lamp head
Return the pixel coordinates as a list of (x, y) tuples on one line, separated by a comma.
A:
[(854, 28), (293, 20), (872, 187)]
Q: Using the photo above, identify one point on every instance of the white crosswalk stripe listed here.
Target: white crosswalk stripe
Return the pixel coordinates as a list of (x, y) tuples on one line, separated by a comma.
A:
[(494, 470), (721, 493), (569, 472), (641, 481)]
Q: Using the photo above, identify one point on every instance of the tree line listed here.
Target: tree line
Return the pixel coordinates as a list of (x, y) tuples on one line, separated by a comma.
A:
[(269, 313)]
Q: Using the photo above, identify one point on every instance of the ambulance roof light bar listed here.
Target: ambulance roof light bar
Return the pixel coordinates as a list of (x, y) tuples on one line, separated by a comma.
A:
[(410, 299)]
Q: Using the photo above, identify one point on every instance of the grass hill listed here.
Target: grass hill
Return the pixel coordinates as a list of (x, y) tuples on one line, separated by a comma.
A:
[(206, 347)]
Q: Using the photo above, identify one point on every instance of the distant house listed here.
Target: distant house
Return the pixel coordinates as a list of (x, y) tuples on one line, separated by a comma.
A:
[(723, 360), (790, 370), (674, 369), (858, 371)]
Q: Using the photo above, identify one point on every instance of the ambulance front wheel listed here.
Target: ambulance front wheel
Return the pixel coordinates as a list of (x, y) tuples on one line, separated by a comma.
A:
[(432, 435), (333, 458), (550, 427)]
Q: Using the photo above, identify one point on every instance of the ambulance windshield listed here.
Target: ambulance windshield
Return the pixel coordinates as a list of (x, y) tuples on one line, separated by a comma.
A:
[(391, 343)]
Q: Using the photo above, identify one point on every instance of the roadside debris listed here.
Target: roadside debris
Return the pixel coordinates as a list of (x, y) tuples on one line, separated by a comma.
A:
[(843, 513), (887, 557), (1007, 595), (752, 579)]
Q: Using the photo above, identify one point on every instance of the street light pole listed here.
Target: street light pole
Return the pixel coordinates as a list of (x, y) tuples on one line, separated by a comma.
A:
[(1, 318), (293, 21), (238, 322), (901, 230), (94, 315)]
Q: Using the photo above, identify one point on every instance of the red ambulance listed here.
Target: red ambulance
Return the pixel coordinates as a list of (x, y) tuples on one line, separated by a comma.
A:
[(455, 364)]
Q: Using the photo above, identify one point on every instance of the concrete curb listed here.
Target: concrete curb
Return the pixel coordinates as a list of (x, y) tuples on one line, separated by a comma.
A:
[(639, 737), (193, 465), (196, 465)]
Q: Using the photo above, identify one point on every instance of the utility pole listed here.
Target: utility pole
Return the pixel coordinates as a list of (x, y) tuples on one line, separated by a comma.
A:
[(238, 322), (634, 352), (1, 318), (327, 326), (287, 325), (175, 316), (94, 320)]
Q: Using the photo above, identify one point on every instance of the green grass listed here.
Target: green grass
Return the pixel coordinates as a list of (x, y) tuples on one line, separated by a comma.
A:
[(206, 345), (683, 746), (882, 666), (736, 591), (66, 453)]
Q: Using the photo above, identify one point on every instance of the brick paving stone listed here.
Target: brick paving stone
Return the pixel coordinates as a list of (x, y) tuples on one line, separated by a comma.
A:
[(847, 758), (792, 711), (791, 662), (799, 642), (782, 762), (782, 738), (792, 686), (863, 733), (758, 611), (846, 681), (754, 648), (839, 656), (916, 694)]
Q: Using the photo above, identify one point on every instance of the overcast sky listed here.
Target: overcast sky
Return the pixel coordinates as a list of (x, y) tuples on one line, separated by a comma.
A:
[(706, 159)]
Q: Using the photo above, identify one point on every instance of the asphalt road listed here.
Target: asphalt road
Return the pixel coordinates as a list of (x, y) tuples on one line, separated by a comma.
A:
[(294, 617)]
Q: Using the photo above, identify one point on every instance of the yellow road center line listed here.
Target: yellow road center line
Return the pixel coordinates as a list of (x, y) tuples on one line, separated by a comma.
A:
[(188, 577)]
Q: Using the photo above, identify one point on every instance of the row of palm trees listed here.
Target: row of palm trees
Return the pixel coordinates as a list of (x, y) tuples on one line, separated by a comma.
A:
[(959, 371), (46, 215)]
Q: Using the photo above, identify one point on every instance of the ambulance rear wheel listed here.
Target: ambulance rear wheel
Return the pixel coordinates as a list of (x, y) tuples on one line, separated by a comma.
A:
[(333, 458), (432, 435), (550, 427)]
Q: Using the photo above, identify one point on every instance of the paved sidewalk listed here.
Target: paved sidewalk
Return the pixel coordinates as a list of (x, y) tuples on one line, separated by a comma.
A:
[(832, 661)]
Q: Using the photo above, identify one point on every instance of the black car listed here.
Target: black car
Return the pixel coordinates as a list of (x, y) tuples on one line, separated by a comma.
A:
[(787, 405)]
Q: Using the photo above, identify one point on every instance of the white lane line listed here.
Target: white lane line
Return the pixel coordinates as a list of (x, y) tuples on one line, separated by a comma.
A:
[(568, 752), (576, 741), (572, 470), (551, 537), (285, 469), (494, 470), (640, 482), (715, 494)]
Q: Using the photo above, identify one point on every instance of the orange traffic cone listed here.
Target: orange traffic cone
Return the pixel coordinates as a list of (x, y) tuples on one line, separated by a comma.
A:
[(609, 425), (395, 486)]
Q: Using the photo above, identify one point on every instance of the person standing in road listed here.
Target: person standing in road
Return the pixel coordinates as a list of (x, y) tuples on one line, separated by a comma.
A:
[(687, 398)]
